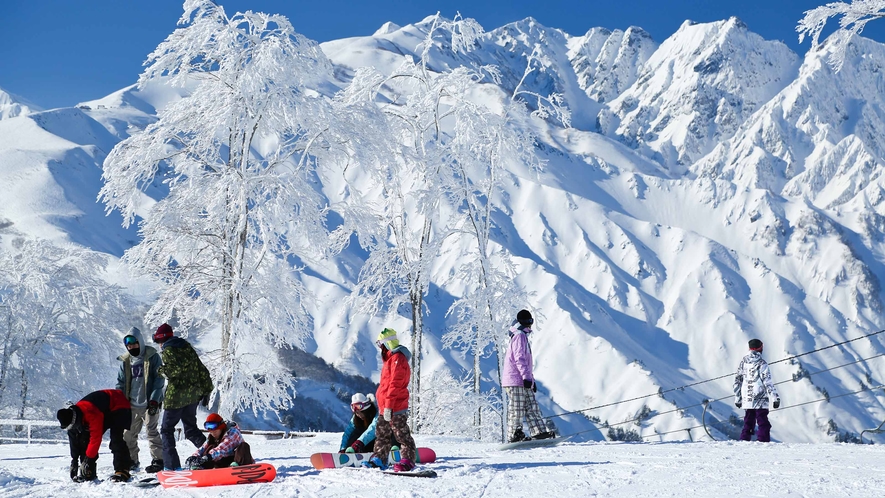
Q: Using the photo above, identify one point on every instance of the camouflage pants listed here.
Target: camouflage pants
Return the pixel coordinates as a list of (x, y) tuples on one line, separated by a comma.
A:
[(385, 431), (521, 403)]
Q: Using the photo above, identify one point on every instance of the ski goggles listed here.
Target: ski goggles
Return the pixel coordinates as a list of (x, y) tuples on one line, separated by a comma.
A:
[(358, 407), (211, 426), (130, 340)]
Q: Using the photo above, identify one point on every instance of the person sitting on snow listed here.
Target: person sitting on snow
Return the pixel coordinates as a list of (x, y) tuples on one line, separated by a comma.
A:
[(223, 448), (359, 436)]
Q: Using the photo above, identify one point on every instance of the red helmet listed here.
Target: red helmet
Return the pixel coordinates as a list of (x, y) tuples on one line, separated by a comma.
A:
[(163, 333)]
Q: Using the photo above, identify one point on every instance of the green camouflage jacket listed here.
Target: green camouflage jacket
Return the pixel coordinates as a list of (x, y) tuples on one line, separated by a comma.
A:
[(188, 379)]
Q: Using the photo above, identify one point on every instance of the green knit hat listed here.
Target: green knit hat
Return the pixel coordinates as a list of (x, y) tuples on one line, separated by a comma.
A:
[(388, 338)]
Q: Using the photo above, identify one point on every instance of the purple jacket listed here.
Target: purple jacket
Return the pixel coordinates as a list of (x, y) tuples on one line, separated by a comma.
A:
[(518, 362)]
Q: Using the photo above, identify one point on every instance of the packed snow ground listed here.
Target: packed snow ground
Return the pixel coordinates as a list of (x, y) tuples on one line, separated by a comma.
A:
[(471, 469)]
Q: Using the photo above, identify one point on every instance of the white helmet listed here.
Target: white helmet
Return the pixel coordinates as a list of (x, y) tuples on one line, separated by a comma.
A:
[(358, 398)]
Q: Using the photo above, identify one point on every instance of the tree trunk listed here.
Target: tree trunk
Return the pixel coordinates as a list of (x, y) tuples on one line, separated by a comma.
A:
[(417, 302), (21, 412)]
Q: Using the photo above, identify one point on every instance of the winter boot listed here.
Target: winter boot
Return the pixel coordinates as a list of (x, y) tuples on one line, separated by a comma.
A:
[(121, 476), (517, 436), (155, 466), (404, 465), (544, 435), (374, 463)]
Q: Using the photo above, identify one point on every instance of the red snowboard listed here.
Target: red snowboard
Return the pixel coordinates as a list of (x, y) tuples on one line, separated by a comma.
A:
[(244, 474)]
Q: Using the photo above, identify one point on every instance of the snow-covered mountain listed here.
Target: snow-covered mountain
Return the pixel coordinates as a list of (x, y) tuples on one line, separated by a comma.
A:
[(13, 105), (696, 90), (710, 191)]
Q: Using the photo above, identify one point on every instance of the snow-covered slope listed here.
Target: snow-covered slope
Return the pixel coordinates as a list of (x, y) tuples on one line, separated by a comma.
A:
[(820, 138), (467, 468), (608, 62), (649, 271), (697, 89)]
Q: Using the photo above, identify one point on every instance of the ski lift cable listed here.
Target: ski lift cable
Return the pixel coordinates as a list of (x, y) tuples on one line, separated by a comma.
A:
[(827, 398), (682, 388), (706, 401)]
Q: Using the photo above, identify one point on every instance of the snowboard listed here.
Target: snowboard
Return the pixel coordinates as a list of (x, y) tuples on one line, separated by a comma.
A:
[(338, 460), (413, 473), (244, 474), (533, 443)]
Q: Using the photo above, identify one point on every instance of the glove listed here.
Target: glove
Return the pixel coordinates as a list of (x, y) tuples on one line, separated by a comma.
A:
[(527, 384), (356, 447), (777, 403), (75, 469), (205, 401), (738, 403), (388, 414), (196, 462), (89, 469), (153, 407)]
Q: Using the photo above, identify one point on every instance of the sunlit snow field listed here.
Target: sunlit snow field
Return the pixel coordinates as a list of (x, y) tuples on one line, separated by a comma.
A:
[(470, 469)]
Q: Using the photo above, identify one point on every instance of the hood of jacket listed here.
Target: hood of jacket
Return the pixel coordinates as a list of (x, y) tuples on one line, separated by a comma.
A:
[(136, 333)]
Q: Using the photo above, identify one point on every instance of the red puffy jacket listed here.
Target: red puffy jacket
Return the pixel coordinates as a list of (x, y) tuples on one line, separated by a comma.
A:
[(393, 390), (96, 408)]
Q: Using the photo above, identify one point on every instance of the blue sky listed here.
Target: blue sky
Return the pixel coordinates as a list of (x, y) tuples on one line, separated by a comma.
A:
[(60, 52)]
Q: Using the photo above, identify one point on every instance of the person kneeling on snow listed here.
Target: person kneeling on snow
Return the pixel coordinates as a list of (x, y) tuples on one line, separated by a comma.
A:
[(223, 448), (86, 422), (359, 436)]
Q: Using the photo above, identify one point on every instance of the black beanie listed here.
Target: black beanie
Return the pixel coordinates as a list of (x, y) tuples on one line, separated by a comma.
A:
[(65, 417), (524, 318), (755, 344)]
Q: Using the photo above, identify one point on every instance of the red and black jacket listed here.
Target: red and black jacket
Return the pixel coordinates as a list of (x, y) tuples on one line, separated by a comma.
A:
[(97, 410)]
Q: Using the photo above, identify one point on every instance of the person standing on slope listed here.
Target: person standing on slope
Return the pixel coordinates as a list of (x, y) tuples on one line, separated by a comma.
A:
[(392, 397), (519, 383), (140, 380), (753, 388), (189, 384), (86, 422), (359, 436)]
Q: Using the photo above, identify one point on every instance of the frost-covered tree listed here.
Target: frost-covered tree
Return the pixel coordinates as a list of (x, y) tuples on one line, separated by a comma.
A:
[(449, 407), (855, 16), (241, 157), (486, 141), (59, 323), (419, 207)]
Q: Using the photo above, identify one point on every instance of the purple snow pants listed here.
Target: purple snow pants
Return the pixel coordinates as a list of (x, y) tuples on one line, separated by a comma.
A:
[(753, 417)]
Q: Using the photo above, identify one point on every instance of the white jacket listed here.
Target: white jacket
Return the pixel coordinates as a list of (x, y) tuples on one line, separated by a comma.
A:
[(752, 383)]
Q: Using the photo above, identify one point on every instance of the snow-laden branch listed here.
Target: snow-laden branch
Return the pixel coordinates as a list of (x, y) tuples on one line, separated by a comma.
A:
[(854, 18)]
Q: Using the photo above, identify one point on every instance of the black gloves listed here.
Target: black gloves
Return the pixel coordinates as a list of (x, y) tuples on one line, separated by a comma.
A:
[(777, 403), (527, 384), (534, 387), (153, 407), (738, 403), (196, 462), (205, 401)]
